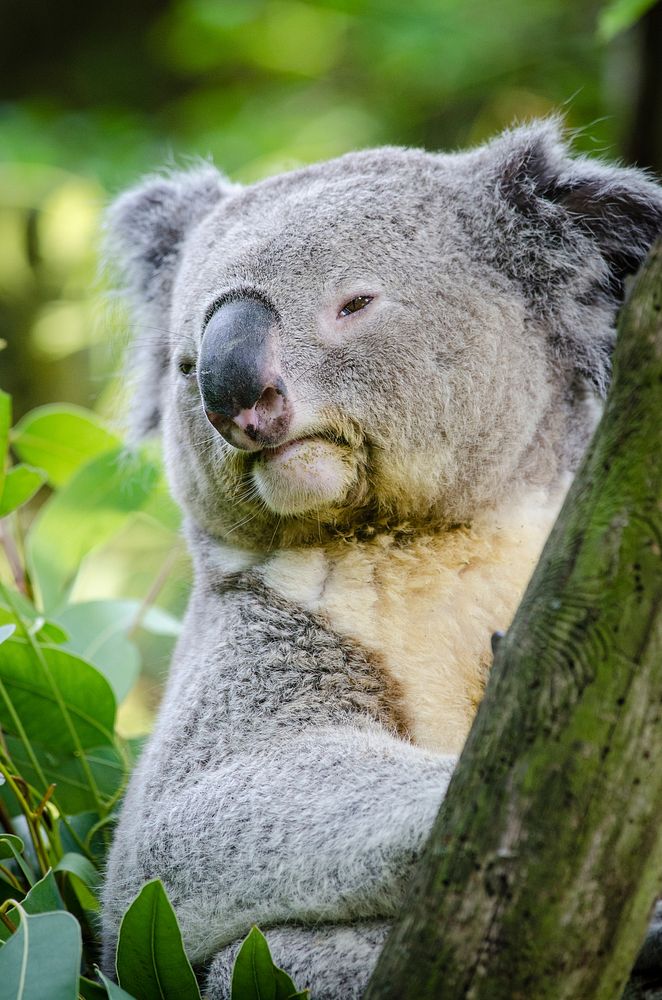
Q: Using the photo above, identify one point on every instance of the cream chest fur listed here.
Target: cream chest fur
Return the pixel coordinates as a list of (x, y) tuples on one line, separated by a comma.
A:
[(428, 608)]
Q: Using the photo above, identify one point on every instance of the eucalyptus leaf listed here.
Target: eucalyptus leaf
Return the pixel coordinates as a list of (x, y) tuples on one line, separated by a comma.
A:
[(89, 990), (58, 715), (619, 15), (45, 949), (9, 843), (6, 631), (41, 628), (81, 867), (255, 977), (20, 485), (151, 961), (43, 897), (114, 991), (47, 631), (73, 792), (5, 423), (60, 439), (98, 631), (40, 691), (160, 622), (13, 847), (95, 503), (86, 827)]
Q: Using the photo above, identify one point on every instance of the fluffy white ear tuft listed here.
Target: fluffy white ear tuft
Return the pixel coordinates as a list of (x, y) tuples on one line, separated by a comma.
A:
[(569, 230), (144, 230)]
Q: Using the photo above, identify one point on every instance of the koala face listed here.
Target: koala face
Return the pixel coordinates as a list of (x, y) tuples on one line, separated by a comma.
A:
[(391, 339)]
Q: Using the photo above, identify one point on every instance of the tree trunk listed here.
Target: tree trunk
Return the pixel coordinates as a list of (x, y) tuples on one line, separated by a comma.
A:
[(546, 857)]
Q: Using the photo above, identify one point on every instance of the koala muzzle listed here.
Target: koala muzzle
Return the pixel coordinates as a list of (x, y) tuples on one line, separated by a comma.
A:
[(243, 392)]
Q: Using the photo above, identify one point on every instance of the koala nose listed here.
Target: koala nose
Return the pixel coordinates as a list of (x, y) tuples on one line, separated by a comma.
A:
[(243, 392)]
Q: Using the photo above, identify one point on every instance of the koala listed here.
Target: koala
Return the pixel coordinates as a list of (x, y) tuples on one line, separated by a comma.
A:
[(374, 378)]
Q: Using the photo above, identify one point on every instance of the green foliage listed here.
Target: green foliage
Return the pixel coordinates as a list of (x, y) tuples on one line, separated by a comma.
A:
[(60, 439), (45, 949), (255, 977), (63, 765), (151, 961), (20, 485), (108, 488), (621, 14)]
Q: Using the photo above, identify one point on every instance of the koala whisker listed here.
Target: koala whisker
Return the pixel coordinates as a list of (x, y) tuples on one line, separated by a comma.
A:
[(273, 536), (315, 365), (138, 327), (244, 521)]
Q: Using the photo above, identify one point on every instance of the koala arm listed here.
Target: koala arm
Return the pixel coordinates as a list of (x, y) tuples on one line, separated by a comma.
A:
[(320, 826)]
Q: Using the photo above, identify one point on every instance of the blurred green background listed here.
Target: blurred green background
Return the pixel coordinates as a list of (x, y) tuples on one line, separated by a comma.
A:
[(92, 95)]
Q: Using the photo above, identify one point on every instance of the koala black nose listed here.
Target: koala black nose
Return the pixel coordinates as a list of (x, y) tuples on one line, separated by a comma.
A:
[(242, 389)]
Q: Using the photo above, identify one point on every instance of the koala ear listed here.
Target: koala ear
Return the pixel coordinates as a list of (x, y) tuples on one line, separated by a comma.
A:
[(618, 209), (144, 231), (571, 229)]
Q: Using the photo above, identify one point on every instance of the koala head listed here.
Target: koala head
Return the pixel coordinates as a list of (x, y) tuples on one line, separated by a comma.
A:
[(391, 340)]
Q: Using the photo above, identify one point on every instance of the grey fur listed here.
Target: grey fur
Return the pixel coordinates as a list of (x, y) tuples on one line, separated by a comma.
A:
[(279, 786), (332, 961)]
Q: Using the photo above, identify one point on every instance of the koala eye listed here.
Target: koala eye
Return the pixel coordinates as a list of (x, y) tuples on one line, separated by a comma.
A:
[(186, 367), (355, 305)]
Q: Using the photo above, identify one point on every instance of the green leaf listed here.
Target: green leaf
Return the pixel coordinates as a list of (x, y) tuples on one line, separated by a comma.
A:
[(13, 847), (151, 961), (160, 622), (60, 439), (60, 707), (9, 843), (619, 15), (285, 988), (20, 485), (81, 867), (255, 977), (85, 694), (45, 949), (43, 897), (87, 827), (86, 878), (39, 627), (114, 991), (85, 513), (5, 424), (97, 631), (90, 990), (74, 793), (49, 632), (6, 631)]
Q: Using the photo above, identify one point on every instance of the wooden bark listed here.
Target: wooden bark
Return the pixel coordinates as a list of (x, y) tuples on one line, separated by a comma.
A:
[(546, 857)]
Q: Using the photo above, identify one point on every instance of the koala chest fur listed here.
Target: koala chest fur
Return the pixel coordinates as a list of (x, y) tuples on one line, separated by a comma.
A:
[(425, 610)]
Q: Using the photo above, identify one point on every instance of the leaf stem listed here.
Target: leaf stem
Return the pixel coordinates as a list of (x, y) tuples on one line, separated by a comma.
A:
[(11, 878), (30, 817), (157, 586), (13, 558)]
